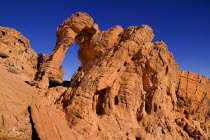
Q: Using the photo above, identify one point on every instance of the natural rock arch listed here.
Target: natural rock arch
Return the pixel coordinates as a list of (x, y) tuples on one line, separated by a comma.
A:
[(127, 87), (81, 28), (71, 62), (124, 77)]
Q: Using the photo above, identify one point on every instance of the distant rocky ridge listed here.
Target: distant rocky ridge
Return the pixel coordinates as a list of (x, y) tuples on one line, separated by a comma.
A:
[(127, 88)]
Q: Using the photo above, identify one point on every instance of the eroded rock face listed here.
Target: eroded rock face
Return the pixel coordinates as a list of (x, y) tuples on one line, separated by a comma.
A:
[(193, 101), (127, 88), (16, 54), (16, 96), (124, 91)]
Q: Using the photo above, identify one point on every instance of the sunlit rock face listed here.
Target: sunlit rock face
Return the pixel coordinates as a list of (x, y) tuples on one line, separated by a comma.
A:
[(127, 88), (16, 54)]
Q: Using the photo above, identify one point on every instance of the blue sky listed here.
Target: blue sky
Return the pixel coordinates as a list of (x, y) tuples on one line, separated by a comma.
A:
[(184, 25)]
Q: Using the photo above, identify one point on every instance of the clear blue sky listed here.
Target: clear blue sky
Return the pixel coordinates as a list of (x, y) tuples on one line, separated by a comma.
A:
[(184, 25)]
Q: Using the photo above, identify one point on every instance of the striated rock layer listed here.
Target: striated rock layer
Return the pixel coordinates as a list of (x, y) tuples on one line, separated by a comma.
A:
[(127, 88)]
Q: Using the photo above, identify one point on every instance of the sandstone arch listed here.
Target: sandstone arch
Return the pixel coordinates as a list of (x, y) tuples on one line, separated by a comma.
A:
[(81, 28), (127, 87)]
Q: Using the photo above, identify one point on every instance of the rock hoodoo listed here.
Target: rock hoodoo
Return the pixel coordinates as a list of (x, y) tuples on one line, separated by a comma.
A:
[(126, 88)]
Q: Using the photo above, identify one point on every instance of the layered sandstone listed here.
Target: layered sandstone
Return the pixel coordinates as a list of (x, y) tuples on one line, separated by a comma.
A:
[(126, 88), (193, 105)]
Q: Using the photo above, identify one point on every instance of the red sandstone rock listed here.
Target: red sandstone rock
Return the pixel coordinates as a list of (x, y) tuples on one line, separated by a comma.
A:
[(15, 98), (16, 54), (126, 88), (193, 104)]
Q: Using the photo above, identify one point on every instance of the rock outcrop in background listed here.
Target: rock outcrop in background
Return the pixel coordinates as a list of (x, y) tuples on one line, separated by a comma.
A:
[(16, 54), (126, 88)]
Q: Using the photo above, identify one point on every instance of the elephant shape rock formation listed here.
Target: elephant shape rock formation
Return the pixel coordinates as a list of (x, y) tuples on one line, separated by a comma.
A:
[(126, 88)]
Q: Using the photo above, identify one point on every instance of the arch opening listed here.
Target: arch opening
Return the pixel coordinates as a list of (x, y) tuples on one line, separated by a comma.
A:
[(71, 62)]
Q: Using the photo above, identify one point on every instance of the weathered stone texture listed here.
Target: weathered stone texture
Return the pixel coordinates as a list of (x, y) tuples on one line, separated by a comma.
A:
[(193, 105), (127, 88), (15, 98), (16, 54)]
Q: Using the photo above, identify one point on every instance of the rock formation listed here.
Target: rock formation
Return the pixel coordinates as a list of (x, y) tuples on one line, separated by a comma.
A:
[(126, 88), (15, 99), (16, 54)]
